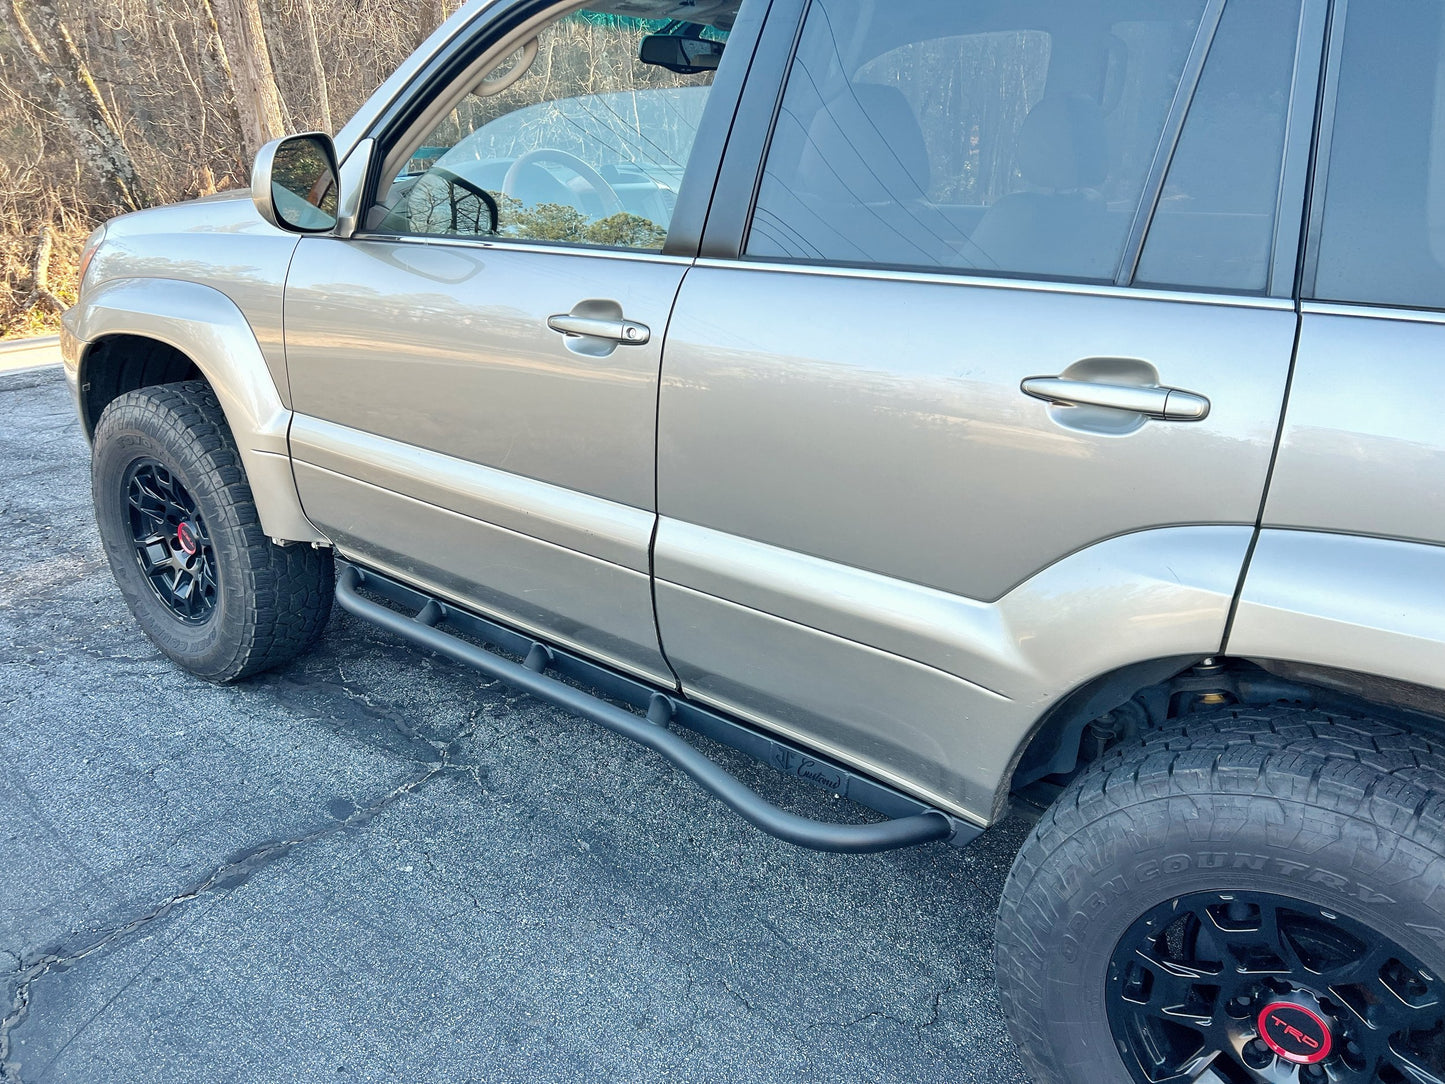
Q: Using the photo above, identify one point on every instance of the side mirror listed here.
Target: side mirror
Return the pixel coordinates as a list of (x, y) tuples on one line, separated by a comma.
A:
[(293, 183), (677, 53)]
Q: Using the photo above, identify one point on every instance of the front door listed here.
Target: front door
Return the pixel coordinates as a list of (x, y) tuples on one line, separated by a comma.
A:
[(984, 405), (474, 373)]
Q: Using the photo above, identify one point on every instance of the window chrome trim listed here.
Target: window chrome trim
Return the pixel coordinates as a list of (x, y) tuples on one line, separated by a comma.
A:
[(1238, 301), (1158, 173), (506, 244), (1372, 312)]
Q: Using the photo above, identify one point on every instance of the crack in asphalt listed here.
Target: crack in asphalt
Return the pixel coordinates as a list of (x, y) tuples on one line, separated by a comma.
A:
[(231, 874)]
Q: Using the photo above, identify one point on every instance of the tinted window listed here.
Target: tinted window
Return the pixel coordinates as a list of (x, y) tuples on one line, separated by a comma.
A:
[(573, 138), (967, 135), (1383, 232), (1214, 226)]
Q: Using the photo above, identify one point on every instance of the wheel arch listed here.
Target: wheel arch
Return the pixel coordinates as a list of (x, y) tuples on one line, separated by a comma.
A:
[(1054, 746), (1146, 695), (133, 333)]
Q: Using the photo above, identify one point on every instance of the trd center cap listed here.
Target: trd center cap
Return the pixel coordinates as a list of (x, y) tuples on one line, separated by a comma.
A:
[(1296, 1033), (186, 536)]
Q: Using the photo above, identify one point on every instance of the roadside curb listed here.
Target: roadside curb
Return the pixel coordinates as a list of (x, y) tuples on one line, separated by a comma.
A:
[(29, 353)]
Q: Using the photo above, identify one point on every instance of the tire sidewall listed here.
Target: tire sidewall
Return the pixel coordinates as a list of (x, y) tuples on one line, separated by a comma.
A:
[(128, 435), (1104, 876)]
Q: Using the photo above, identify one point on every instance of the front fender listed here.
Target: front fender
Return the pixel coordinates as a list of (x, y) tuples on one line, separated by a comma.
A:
[(207, 327)]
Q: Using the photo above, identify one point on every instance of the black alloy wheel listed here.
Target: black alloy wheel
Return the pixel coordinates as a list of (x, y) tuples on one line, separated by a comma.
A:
[(171, 542), (1252, 986), (1244, 895)]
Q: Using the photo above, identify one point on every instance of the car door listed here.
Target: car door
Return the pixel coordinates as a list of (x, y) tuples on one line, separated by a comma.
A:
[(474, 371), (973, 394)]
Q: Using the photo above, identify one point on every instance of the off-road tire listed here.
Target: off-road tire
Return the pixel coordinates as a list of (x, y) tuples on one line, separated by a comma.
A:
[(1342, 813), (271, 601)]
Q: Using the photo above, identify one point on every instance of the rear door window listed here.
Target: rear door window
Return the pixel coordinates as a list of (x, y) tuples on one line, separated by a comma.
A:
[(1010, 139)]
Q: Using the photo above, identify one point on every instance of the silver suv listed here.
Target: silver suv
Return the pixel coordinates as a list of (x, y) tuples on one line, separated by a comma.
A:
[(962, 405)]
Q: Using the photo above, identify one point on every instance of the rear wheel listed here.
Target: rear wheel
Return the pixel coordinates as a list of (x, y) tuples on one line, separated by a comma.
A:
[(185, 543), (1243, 896)]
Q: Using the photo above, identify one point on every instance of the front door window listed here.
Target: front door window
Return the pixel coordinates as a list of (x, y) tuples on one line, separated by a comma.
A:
[(581, 136)]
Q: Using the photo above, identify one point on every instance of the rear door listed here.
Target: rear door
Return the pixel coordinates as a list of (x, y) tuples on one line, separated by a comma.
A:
[(1007, 312)]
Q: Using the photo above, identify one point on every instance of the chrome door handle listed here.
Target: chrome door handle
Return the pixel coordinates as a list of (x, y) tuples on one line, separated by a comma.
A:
[(626, 332), (1165, 404)]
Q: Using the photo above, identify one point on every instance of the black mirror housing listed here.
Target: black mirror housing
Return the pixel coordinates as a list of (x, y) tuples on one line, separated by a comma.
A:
[(681, 54)]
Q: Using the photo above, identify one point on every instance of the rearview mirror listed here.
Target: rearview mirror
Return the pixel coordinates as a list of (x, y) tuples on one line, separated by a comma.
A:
[(684, 55), (294, 185)]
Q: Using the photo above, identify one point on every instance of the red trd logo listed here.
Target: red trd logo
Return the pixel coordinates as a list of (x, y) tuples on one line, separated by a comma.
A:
[(1295, 1033)]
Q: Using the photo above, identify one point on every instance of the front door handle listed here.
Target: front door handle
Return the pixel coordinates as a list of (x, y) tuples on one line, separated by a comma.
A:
[(1165, 404), (627, 332)]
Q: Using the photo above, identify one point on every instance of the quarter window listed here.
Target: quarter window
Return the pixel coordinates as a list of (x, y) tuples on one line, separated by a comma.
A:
[(582, 136), (976, 137), (1382, 234), (1214, 225)]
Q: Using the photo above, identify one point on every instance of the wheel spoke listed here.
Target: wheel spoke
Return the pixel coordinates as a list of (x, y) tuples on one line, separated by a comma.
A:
[(1408, 1063), (171, 543), (154, 555), (1190, 980)]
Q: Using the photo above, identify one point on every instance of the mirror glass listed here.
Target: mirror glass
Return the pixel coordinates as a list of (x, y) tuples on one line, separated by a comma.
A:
[(303, 184), (677, 53)]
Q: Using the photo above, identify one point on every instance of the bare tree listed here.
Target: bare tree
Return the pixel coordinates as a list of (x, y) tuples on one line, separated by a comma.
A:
[(40, 293), (57, 66), (258, 101)]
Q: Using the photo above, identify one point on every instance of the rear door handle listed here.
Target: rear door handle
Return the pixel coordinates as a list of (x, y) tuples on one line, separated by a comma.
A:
[(627, 332), (1165, 404)]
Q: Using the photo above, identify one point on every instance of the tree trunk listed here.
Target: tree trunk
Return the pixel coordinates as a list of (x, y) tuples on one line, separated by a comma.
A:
[(429, 16), (249, 60), (40, 275), (57, 65), (221, 84), (318, 72)]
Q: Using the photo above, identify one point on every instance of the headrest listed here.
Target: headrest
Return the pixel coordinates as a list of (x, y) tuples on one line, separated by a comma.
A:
[(889, 112), (1063, 144)]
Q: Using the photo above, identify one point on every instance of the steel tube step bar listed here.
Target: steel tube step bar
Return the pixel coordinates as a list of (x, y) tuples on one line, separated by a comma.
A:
[(911, 822)]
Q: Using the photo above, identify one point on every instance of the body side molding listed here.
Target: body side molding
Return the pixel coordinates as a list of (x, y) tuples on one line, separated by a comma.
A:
[(578, 521), (917, 669)]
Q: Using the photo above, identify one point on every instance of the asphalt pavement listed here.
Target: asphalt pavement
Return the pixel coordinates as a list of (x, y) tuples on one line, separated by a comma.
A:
[(372, 865)]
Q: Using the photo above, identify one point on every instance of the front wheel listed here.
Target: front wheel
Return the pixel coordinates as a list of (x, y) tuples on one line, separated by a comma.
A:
[(1244, 896), (185, 543)]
